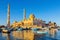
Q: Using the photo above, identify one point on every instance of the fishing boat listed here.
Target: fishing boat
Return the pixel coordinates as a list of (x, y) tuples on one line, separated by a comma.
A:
[(42, 31), (4, 30)]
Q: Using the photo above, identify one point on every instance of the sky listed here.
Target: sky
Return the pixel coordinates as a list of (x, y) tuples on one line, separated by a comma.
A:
[(47, 10)]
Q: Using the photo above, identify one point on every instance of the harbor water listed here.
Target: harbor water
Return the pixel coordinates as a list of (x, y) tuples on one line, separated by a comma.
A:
[(29, 35)]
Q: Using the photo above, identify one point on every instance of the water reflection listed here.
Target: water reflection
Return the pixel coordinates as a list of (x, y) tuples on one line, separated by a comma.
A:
[(6, 36), (27, 35), (53, 33)]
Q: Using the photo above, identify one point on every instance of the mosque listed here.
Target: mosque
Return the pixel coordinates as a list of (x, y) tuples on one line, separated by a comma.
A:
[(31, 22)]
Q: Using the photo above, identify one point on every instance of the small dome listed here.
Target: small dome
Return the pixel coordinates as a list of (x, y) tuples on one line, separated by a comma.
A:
[(32, 16)]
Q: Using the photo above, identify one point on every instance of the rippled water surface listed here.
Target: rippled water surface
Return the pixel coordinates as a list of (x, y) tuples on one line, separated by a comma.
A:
[(29, 35)]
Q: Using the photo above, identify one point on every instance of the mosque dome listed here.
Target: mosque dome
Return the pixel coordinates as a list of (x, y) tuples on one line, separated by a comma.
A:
[(32, 16)]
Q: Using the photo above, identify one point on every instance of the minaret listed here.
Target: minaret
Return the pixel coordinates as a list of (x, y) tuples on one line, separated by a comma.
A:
[(24, 14), (8, 16)]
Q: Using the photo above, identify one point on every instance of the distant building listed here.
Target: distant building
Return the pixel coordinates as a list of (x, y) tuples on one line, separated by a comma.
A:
[(52, 24)]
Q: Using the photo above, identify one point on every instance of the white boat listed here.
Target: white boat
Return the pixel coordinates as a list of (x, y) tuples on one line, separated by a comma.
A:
[(41, 32)]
